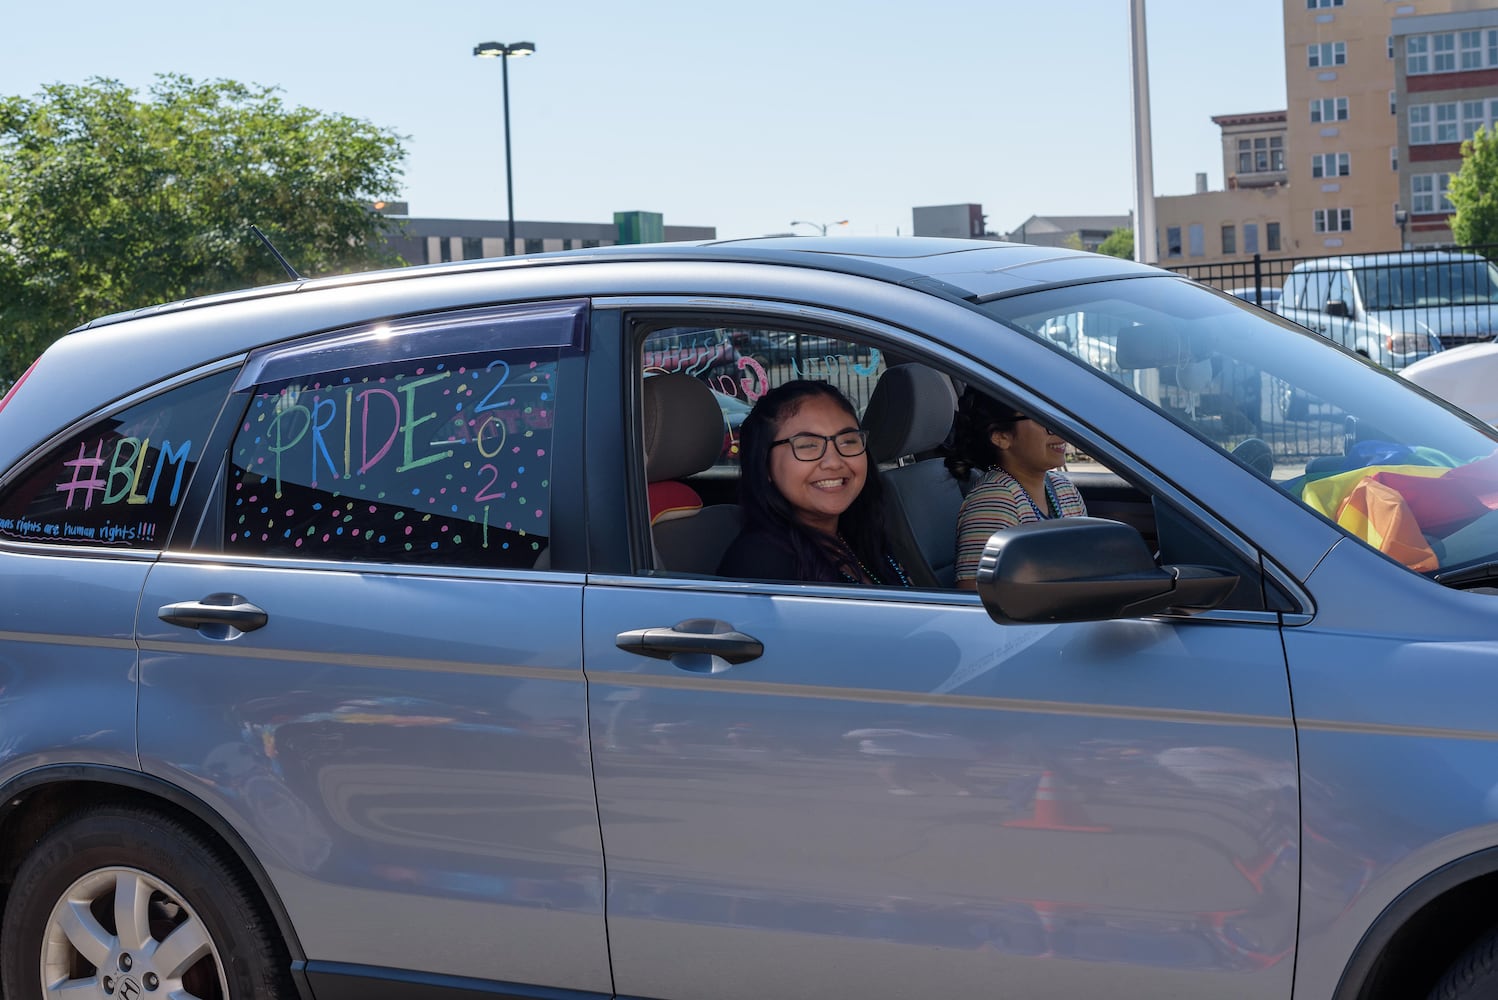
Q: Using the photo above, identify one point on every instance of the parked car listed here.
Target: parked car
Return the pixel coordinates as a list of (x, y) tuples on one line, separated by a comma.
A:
[(1395, 308), (1268, 298), (323, 676), (1465, 376)]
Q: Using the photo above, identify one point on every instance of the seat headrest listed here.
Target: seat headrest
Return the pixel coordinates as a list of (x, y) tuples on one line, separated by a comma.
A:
[(910, 411), (683, 427)]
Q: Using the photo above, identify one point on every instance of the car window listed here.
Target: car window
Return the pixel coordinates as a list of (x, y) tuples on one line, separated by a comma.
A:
[(741, 363), (439, 458), (1318, 284), (118, 482), (1347, 439), (1339, 289), (919, 493)]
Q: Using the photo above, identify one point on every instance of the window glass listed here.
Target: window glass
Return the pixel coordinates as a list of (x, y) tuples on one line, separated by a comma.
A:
[(1336, 434), (741, 363), (441, 460), (118, 482)]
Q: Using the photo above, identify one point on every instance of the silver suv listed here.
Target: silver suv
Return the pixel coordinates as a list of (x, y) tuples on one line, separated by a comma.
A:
[(344, 651), (1398, 307)]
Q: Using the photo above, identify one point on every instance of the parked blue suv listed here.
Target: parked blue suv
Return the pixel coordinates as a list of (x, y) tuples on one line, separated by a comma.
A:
[(344, 654)]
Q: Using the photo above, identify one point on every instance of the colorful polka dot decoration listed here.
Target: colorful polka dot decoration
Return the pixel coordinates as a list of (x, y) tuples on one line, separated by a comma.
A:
[(443, 461)]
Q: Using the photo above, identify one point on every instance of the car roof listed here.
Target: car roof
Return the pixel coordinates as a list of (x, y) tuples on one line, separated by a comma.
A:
[(976, 269), (1394, 259)]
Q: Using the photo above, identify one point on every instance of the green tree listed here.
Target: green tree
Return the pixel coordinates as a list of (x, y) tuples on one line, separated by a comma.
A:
[(1473, 192), (111, 202), (1119, 243)]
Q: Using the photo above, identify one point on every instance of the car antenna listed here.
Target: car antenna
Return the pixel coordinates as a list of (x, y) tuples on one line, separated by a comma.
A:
[(272, 248)]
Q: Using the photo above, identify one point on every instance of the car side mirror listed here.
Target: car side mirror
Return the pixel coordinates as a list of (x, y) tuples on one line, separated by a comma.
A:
[(1077, 569), (1336, 307)]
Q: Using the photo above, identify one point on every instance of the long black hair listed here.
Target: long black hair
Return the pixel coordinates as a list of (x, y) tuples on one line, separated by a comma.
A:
[(979, 416), (765, 508)]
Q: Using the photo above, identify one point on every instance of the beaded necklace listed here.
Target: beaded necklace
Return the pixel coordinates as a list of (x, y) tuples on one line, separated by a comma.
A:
[(1053, 505), (889, 560)]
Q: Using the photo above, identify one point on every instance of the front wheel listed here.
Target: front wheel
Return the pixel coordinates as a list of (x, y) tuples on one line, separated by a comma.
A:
[(123, 902), (1474, 976)]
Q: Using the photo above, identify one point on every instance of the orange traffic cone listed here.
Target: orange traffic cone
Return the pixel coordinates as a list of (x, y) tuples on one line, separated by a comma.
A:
[(1049, 814)]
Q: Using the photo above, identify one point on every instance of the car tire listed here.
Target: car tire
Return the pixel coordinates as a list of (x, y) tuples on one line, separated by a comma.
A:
[(1472, 976), (198, 930)]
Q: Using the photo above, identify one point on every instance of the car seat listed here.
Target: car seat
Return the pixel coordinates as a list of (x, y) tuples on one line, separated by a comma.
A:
[(684, 436), (908, 417)]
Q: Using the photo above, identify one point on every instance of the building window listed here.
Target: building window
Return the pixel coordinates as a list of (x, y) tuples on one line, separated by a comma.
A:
[(1493, 48), (1448, 123), (1173, 241), (1229, 240), (1332, 220), (532, 245), (1391, 46), (1428, 193), (1261, 155), (1196, 238), (1331, 165), (1443, 52), (1272, 236), (1250, 237), (473, 247), (1417, 54), (1394, 158), (1315, 4), (1471, 51), (1329, 109), (1393, 102), (1326, 54), (1420, 133)]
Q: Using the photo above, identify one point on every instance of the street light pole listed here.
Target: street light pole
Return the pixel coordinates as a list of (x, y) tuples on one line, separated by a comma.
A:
[(822, 226), (503, 52)]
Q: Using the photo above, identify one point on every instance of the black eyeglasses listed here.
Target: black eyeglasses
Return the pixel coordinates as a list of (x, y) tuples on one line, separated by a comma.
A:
[(809, 447)]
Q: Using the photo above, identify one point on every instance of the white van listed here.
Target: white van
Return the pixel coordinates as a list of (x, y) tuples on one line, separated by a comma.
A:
[(1395, 307)]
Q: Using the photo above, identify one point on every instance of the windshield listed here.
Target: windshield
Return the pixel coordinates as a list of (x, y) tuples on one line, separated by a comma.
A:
[(1437, 283), (1353, 443)]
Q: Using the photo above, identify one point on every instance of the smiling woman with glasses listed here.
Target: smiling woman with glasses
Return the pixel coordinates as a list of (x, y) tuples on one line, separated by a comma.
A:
[(810, 499)]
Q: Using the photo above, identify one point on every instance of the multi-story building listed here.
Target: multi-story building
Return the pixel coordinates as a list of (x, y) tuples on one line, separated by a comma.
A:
[(1446, 80), (1382, 93), (1246, 218), (428, 241)]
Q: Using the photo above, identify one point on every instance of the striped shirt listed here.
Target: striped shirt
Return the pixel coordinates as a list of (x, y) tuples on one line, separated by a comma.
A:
[(999, 501)]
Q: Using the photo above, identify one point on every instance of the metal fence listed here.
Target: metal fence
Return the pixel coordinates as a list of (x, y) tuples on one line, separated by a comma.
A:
[(1297, 426), (1258, 279)]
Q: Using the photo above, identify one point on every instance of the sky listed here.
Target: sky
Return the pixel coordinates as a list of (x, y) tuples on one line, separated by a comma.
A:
[(745, 116)]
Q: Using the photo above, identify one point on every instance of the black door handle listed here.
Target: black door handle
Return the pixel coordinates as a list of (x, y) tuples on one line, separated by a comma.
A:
[(700, 636), (215, 609)]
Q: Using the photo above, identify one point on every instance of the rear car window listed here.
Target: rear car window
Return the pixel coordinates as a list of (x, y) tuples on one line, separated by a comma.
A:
[(118, 482), (443, 461)]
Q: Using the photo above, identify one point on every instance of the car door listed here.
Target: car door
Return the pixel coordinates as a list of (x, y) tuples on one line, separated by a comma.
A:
[(367, 657), (856, 791)]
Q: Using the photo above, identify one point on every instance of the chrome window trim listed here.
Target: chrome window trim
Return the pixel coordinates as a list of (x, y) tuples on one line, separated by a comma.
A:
[(380, 569)]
